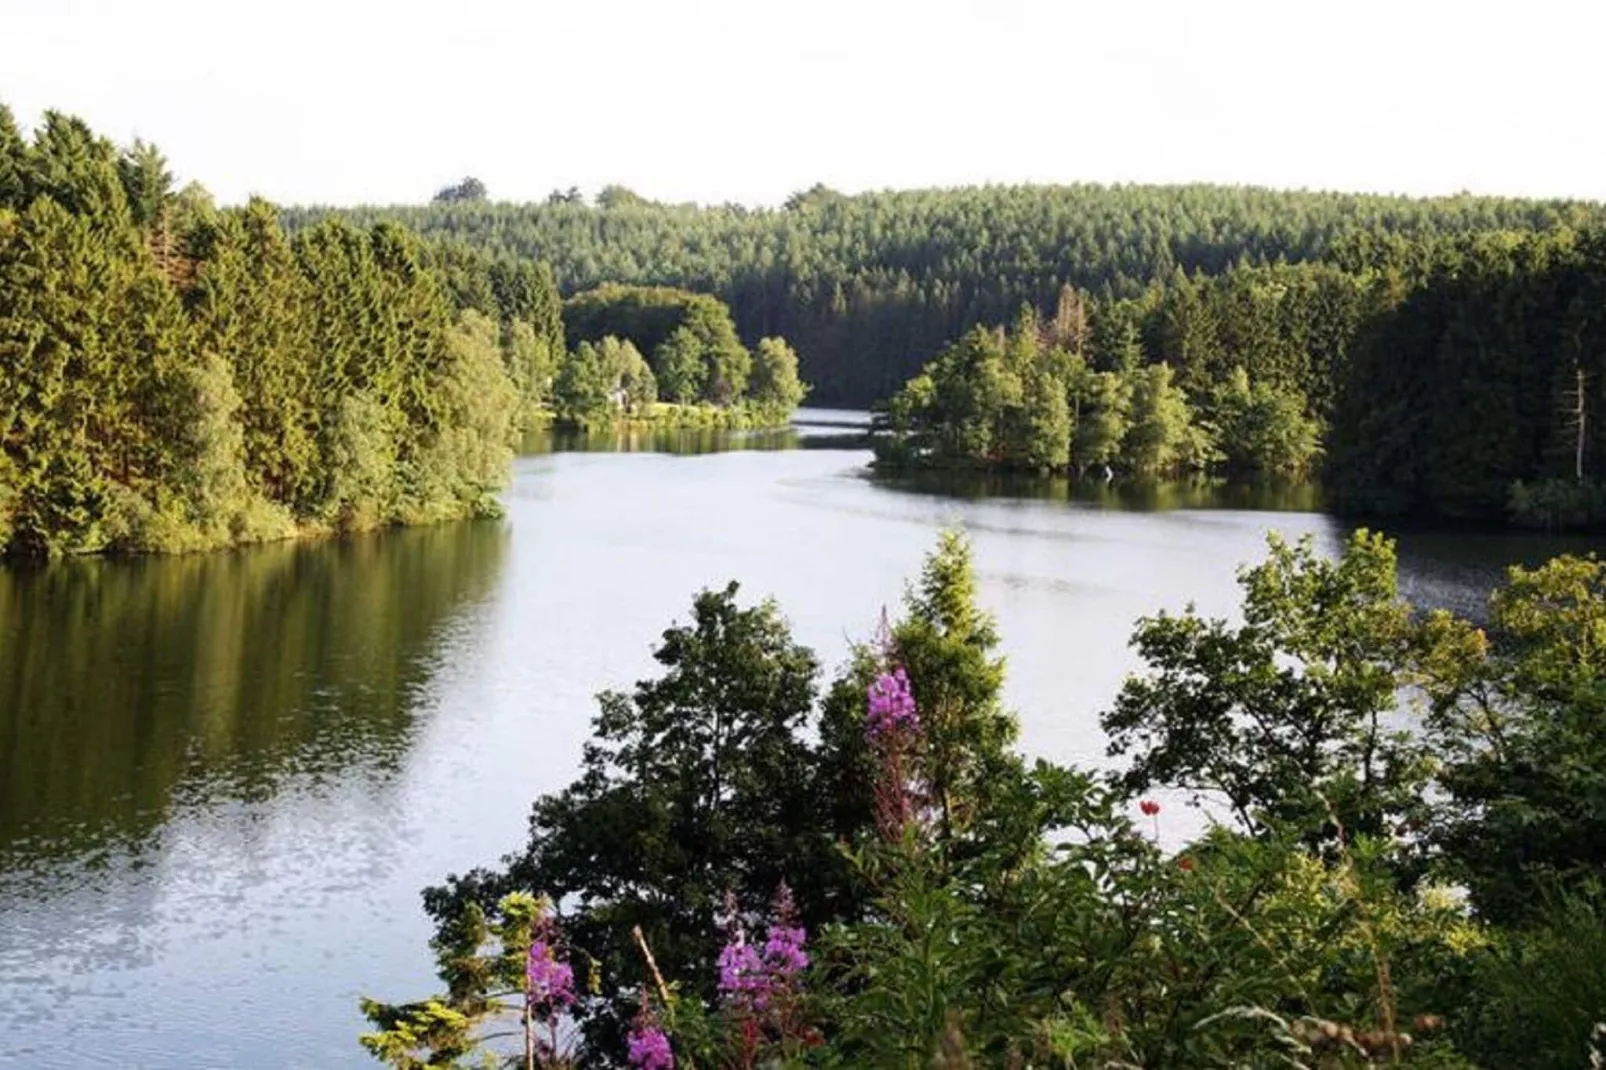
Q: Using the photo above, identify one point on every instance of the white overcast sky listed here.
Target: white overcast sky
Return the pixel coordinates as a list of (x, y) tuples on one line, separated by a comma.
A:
[(747, 100)]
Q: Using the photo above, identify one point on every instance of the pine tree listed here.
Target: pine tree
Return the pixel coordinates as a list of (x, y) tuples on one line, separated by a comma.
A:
[(147, 183), (13, 161), (249, 304), (1157, 440)]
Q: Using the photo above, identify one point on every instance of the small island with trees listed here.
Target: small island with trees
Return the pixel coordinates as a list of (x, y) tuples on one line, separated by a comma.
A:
[(1047, 396)]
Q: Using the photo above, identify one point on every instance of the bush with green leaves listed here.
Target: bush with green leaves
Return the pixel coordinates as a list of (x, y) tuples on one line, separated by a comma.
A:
[(1288, 715)]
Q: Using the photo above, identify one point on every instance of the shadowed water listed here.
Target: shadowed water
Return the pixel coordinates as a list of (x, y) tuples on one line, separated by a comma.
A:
[(224, 779)]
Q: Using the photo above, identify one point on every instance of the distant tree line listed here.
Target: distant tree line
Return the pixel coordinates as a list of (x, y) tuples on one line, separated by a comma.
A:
[(1431, 357), (868, 287), (1478, 384)]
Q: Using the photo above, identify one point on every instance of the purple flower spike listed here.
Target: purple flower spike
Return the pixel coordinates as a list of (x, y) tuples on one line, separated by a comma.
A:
[(741, 970), (549, 983), (649, 1049), (892, 705), (783, 951)]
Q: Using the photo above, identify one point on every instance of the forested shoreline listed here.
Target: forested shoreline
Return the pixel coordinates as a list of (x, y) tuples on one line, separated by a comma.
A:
[(1433, 358), (1459, 378), (176, 376), (870, 286), (180, 376)]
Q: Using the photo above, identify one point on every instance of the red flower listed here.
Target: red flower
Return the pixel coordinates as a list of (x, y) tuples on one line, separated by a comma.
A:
[(1149, 807), (1185, 863)]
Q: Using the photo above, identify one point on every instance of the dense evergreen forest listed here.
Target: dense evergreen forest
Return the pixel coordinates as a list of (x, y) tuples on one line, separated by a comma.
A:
[(176, 376), (1457, 377), (869, 287), (759, 866), (1430, 357)]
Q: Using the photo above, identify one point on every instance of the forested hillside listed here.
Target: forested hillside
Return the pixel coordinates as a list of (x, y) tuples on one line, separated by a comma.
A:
[(177, 375), (869, 287), (174, 376)]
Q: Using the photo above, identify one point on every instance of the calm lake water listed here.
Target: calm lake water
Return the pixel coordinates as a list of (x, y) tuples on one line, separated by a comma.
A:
[(224, 779)]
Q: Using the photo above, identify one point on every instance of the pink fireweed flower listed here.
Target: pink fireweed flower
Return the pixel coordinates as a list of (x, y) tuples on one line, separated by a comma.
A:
[(892, 727), (752, 976), (783, 951), (549, 984), (742, 974), (891, 704), (783, 947), (649, 1048)]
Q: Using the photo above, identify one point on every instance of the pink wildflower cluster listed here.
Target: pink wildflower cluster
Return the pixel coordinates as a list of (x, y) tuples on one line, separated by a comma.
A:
[(649, 1047), (892, 705), (893, 728), (750, 975), (548, 992), (759, 984), (549, 983)]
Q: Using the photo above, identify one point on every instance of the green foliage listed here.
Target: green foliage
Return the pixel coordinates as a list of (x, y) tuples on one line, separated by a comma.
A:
[(635, 387), (1286, 717), (248, 301), (948, 646), (1263, 429), (615, 197), (464, 462), (13, 155), (1043, 440), (774, 381), (868, 286), (1538, 995), (147, 183), (953, 411), (1432, 353), (1103, 406), (728, 362), (468, 191), (176, 377), (680, 368), (1020, 399), (483, 963), (1557, 504), (1106, 952), (696, 785), (1162, 438), (1481, 368), (697, 359), (583, 393), (1019, 916), (649, 316), (1519, 716)]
